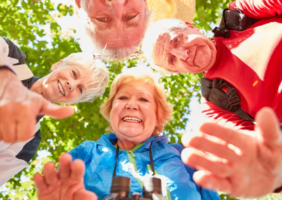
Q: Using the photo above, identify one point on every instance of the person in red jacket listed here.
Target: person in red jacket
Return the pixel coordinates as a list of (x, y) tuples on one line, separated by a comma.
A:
[(250, 61)]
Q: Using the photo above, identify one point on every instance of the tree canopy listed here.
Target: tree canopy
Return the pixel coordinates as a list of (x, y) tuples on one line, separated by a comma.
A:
[(25, 22)]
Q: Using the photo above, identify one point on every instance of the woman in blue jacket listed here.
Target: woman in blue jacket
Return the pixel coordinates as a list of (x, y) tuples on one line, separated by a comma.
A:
[(137, 111)]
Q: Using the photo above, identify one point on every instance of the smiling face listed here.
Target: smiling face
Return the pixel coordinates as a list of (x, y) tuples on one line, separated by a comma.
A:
[(184, 50), (133, 115), (64, 85), (118, 23)]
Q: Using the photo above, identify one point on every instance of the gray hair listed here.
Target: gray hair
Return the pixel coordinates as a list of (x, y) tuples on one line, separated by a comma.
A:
[(101, 49), (97, 74), (153, 33)]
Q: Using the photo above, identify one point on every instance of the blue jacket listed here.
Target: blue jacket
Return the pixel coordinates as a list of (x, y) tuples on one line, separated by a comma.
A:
[(100, 157)]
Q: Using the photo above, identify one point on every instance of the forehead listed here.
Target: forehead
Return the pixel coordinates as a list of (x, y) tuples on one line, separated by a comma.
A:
[(118, 33), (137, 87), (162, 47)]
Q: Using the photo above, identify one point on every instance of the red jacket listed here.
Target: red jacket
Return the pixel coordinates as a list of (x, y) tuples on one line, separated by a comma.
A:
[(251, 61)]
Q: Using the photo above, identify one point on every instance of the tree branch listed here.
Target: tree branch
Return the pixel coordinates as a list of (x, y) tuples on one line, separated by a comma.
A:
[(5, 15)]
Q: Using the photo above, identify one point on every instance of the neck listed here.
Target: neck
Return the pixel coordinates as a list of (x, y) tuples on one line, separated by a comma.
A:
[(37, 86), (126, 145)]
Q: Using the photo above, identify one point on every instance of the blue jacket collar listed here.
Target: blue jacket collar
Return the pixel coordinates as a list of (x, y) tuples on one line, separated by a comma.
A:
[(110, 140)]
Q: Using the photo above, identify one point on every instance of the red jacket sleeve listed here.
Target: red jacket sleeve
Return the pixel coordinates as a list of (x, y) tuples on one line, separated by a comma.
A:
[(258, 8), (224, 117)]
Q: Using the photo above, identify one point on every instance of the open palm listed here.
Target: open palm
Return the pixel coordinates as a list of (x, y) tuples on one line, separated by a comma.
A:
[(65, 184), (240, 163)]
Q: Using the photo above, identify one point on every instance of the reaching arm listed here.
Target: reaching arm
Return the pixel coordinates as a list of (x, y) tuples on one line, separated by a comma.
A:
[(240, 163), (259, 8)]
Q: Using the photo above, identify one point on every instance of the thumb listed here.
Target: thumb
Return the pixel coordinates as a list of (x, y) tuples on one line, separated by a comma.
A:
[(268, 127), (56, 111)]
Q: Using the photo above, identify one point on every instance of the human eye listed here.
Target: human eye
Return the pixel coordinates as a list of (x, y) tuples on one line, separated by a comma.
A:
[(103, 19), (80, 90), (143, 99), (129, 17), (74, 74), (122, 98), (171, 60)]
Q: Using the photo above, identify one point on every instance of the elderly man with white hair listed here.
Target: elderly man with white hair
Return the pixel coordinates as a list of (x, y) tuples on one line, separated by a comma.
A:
[(117, 27), (242, 75)]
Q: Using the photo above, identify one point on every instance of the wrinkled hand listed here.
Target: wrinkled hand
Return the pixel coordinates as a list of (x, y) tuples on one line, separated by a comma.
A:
[(66, 184), (240, 163), (19, 108)]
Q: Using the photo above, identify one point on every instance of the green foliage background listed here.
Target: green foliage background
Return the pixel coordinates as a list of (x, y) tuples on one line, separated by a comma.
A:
[(23, 21)]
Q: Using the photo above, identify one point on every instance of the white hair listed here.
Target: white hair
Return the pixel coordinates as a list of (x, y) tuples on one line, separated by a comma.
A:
[(99, 48), (96, 73), (153, 33)]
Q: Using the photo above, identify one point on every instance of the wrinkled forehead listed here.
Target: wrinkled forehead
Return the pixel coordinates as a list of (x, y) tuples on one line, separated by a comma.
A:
[(161, 46)]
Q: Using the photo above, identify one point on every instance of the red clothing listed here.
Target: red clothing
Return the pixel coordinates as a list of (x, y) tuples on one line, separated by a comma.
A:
[(251, 61)]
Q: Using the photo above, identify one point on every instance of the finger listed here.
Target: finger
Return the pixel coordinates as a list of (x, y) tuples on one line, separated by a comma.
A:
[(26, 121), (268, 127), (84, 194), (39, 183), (199, 160), (56, 111), (8, 129), (65, 166), (77, 170), (229, 135), (50, 174), (202, 143), (210, 181)]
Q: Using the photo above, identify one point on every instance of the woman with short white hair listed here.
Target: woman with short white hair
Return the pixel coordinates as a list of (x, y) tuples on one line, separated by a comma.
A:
[(76, 78), (137, 111)]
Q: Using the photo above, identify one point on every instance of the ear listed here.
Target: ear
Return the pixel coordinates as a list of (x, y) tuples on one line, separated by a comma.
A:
[(77, 2), (56, 65)]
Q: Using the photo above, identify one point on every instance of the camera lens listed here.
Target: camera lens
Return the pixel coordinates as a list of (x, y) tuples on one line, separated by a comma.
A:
[(121, 185), (152, 185)]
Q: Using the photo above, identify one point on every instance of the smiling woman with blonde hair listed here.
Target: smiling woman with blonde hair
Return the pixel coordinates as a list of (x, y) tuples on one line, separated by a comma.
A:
[(137, 111)]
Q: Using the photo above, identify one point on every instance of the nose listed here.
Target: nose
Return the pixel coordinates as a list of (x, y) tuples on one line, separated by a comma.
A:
[(117, 9), (180, 53), (70, 85), (132, 105)]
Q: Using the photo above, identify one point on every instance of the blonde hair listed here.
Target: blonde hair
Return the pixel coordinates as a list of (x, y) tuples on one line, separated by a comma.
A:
[(97, 74), (101, 49), (145, 75)]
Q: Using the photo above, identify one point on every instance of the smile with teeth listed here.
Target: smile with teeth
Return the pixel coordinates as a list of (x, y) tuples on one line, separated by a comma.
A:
[(61, 88), (132, 119)]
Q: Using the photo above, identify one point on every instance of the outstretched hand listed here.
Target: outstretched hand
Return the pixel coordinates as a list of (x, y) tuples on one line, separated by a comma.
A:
[(66, 184), (19, 108), (240, 163)]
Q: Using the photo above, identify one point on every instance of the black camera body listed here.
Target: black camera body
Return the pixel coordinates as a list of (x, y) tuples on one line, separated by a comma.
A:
[(152, 189)]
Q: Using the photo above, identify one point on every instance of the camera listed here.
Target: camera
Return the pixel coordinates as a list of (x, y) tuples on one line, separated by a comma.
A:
[(152, 189)]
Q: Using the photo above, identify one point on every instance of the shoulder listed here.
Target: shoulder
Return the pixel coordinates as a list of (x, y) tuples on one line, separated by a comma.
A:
[(164, 150), (84, 150)]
